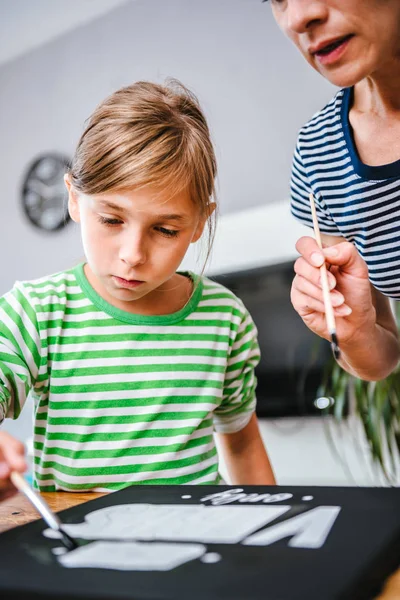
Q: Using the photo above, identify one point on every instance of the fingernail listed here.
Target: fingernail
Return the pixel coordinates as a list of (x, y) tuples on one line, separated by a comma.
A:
[(317, 259), (337, 299), (331, 251), (332, 282), (344, 311)]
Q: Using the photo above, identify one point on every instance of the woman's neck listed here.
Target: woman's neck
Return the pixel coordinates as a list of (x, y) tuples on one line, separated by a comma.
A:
[(375, 118), (379, 93)]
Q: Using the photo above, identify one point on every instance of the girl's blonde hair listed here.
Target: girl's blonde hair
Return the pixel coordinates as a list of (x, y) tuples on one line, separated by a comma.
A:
[(148, 134)]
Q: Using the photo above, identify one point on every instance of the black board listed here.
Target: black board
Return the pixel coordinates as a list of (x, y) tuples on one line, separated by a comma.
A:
[(360, 550)]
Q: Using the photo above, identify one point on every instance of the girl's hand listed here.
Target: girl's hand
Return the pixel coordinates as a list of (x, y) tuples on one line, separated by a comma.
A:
[(350, 289), (12, 458)]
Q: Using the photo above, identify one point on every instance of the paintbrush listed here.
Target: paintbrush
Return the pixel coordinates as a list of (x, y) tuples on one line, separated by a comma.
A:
[(43, 509), (330, 317)]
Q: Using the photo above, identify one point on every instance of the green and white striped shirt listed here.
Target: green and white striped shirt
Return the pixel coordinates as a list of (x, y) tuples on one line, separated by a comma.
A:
[(123, 398)]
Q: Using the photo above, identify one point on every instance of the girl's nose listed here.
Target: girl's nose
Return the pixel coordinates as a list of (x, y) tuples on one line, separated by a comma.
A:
[(133, 252), (302, 15)]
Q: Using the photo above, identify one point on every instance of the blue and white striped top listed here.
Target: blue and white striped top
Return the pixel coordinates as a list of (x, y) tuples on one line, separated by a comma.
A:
[(353, 200)]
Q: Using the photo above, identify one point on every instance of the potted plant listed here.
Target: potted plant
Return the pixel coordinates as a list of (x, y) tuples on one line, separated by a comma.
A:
[(376, 406)]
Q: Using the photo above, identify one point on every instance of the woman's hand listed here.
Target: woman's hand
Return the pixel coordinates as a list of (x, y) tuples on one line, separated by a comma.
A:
[(12, 458), (365, 325), (349, 283)]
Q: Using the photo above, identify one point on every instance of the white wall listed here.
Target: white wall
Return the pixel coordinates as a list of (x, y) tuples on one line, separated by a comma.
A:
[(25, 25)]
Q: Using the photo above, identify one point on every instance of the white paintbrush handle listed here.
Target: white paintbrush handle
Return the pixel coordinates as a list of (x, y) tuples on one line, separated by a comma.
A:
[(330, 318)]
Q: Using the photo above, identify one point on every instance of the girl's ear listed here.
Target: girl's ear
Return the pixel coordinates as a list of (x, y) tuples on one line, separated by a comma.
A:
[(73, 203), (200, 227)]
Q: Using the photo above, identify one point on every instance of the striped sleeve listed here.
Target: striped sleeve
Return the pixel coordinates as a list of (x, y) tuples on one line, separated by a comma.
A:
[(300, 189), (19, 351), (239, 394)]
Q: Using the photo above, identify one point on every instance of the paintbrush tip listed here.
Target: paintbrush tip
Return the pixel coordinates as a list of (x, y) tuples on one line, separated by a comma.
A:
[(67, 540), (335, 345)]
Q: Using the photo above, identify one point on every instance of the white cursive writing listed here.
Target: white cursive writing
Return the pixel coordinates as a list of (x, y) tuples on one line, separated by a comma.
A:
[(237, 495)]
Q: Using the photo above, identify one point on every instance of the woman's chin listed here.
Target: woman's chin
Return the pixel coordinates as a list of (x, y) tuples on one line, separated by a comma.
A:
[(344, 76)]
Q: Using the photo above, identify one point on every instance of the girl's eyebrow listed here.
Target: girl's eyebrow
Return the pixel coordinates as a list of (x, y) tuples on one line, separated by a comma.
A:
[(160, 217), (171, 217), (111, 205)]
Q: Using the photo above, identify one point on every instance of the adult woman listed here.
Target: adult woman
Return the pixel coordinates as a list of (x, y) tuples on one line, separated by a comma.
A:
[(348, 157)]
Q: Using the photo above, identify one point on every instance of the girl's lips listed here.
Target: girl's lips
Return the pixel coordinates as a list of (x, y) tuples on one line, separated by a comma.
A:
[(327, 57), (127, 283)]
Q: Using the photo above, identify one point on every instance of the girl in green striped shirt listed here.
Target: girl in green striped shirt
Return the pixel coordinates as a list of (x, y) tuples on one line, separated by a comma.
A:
[(133, 365)]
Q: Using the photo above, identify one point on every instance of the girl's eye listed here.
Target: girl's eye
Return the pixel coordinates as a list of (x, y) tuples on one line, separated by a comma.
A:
[(108, 221), (167, 232)]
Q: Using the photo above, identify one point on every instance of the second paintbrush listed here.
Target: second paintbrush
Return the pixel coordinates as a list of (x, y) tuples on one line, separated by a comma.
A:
[(43, 509)]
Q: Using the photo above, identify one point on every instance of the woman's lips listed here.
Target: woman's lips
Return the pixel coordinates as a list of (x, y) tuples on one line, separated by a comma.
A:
[(332, 52), (127, 283)]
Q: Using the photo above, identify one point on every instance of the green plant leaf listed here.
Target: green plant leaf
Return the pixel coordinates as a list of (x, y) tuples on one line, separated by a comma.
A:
[(376, 404)]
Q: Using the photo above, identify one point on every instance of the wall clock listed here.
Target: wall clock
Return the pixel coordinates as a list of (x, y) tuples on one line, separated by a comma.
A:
[(44, 196)]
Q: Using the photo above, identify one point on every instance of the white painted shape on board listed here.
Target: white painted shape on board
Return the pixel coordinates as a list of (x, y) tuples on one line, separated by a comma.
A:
[(308, 530), (52, 534), (191, 523), (59, 551), (211, 558), (132, 556)]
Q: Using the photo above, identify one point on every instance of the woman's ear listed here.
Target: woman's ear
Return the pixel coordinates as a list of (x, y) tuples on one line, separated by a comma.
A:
[(73, 201), (202, 221)]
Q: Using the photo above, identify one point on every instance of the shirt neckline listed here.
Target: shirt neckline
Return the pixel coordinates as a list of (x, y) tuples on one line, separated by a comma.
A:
[(133, 318), (388, 171)]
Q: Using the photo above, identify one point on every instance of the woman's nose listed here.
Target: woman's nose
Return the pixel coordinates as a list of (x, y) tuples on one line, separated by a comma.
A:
[(301, 15)]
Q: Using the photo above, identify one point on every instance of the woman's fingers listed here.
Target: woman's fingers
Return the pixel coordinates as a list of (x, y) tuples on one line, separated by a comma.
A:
[(310, 251), (306, 293), (308, 283), (311, 291), (343, 254), (346, 256), (307, 298), (304, 304), (312, 274)]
